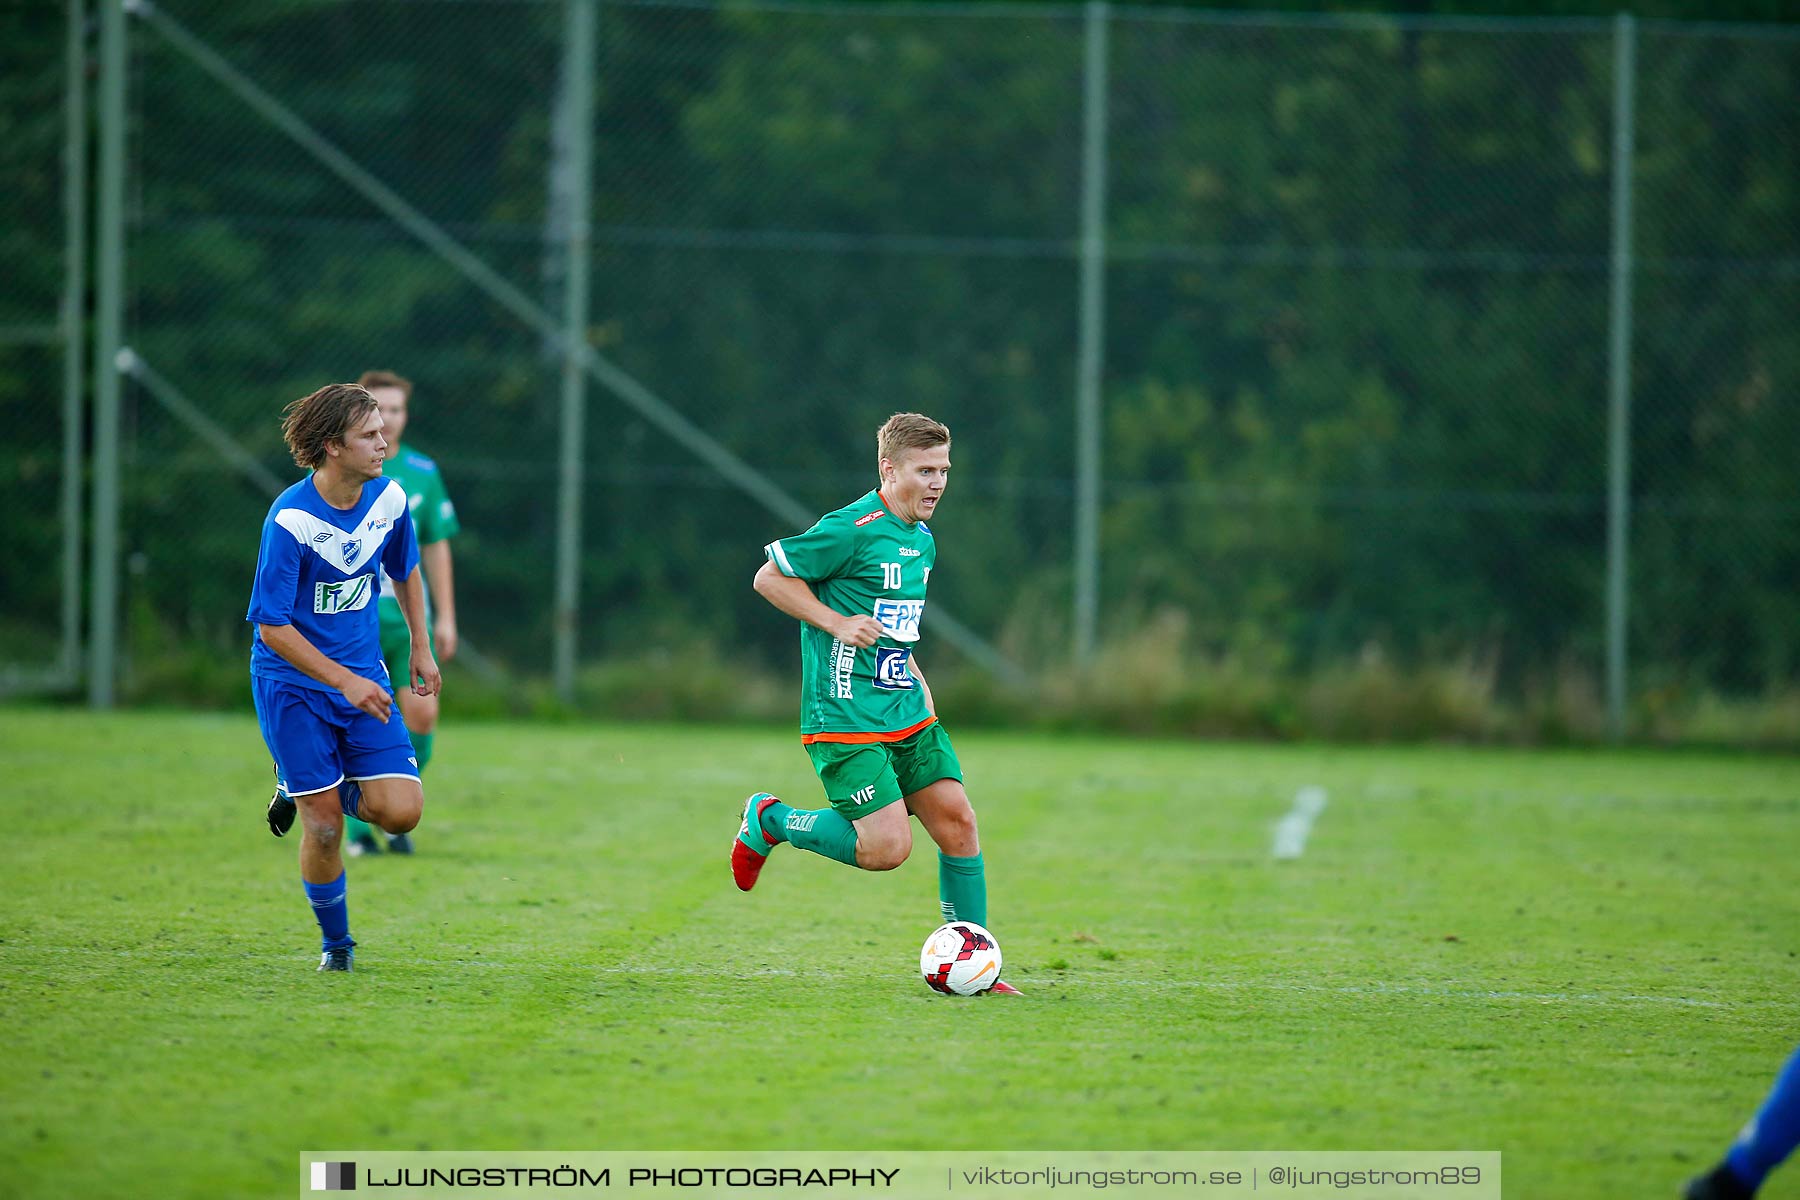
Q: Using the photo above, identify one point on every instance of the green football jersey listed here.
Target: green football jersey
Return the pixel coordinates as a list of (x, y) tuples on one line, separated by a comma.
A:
[(861, 559), (433, 516)]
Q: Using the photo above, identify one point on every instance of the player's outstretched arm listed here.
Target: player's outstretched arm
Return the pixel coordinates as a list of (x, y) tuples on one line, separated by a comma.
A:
[(293, 645), (795, 598), (421, 669)]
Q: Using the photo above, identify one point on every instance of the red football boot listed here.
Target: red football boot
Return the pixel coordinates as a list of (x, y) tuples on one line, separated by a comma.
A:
[(750, 848)]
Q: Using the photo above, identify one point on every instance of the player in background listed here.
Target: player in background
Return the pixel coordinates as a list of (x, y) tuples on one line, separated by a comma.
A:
[(1768, 1139), (323, 696), (434, 522), (856, 582)]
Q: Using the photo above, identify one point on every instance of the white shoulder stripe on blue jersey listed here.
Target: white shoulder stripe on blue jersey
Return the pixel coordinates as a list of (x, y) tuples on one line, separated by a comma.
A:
[(348, 549), (775, 551)]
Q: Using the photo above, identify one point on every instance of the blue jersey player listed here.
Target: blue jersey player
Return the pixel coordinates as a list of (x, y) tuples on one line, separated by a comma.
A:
[(323, 696), (1772, 1135)]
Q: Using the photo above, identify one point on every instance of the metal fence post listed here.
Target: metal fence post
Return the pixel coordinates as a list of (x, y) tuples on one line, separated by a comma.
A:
[(1093, 335), (74, 303), (1618, 425), (109, 307), (578, 112)]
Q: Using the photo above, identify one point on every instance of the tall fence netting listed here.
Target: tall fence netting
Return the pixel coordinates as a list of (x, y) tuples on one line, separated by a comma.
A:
[(1357, 291)]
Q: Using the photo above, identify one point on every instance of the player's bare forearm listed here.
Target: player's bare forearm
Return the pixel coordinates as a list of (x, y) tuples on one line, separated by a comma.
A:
[(409, 593), (442, 577), (422, 670), (795, 598), (294, 647)]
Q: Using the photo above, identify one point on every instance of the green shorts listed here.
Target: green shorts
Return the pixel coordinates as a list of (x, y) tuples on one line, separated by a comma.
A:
[(863, 777), (396, 650)]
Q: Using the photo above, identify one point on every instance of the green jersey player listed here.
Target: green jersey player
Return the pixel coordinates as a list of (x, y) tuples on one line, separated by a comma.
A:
[(434, 518), (856, 581)]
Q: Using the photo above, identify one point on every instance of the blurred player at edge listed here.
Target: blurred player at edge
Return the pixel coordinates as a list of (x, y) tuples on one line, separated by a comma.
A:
[(1769, 1138), (856, 582), (434, 524), (323, 697)]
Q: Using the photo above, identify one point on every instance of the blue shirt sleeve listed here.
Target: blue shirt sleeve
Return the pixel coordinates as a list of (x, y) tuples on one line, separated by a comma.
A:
[(400, 556), (275, 591)]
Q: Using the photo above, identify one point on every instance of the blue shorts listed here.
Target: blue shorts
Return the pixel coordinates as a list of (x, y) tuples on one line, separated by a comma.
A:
[(319, 739)]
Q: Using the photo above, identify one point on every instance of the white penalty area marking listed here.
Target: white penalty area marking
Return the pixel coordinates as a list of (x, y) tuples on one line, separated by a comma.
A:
[(1292, 830)]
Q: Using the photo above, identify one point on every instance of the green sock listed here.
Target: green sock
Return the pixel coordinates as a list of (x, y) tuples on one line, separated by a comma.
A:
[(962, 889), (820, 830), (422, 747), (354, 829)]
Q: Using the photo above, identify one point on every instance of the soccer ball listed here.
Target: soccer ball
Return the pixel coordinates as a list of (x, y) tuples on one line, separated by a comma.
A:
[(960, 959)]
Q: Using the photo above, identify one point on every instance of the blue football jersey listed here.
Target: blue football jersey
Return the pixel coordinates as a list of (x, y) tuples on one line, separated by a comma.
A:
[(318, 570)]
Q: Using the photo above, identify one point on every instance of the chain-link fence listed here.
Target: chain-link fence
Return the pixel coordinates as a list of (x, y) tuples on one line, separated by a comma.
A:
[(40, 369), (1716, 532), (1354, 292)]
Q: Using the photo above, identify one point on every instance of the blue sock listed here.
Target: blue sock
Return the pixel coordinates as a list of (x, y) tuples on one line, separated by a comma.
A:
[(331, 906), (820, 830), (1773, 1132), (350, 798)]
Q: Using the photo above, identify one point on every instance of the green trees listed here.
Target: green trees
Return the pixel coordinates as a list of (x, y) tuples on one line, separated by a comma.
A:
[(1356, 313)]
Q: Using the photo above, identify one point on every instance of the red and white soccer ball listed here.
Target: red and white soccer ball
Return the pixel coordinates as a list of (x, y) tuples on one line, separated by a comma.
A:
[(960, 959)]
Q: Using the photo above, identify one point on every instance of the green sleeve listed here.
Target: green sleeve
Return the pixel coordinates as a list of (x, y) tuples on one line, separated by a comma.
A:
[(820, 553), (436, 515)]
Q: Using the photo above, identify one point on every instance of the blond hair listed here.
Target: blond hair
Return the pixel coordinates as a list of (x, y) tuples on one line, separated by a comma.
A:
[(386, 379), (908, 431), (325, 416)]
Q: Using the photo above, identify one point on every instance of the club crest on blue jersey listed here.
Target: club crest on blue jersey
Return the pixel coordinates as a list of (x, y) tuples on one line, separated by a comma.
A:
[(352, 548), (891, 673)]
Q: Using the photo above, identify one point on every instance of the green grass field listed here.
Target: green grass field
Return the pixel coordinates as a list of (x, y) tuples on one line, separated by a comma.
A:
[(1588, 961)]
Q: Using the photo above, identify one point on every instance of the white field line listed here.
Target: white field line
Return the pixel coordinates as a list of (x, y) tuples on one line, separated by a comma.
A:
[(1249, 789), (1292, 830)]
